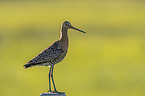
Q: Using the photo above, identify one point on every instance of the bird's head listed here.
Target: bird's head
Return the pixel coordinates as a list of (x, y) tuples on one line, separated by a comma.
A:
[(68, 25)]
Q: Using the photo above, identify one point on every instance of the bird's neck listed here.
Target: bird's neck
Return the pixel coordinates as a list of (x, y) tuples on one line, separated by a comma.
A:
[(63, 34)]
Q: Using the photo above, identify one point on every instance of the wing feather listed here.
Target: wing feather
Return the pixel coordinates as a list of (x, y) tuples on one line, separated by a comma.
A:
[(47, 55)]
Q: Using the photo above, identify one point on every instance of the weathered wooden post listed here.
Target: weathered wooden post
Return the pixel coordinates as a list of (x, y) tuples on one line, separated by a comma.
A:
[(53, 94)]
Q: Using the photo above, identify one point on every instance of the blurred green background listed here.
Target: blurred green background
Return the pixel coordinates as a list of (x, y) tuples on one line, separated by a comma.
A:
[(107, 61)]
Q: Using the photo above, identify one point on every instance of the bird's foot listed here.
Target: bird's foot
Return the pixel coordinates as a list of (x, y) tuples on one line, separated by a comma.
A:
[(49, 91), (55, 91)]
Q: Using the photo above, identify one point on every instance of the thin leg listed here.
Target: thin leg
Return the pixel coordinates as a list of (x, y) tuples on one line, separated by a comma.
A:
[(53, 79), (49, 80)]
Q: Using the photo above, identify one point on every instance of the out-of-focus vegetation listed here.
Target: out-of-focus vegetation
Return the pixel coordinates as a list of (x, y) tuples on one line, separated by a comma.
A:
[(107, 61)]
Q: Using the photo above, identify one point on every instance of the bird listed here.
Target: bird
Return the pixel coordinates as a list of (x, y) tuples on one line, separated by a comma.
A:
[(54, 54)]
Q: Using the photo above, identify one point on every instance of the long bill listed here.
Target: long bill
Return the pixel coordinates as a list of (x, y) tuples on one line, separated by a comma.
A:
[(78, 29)]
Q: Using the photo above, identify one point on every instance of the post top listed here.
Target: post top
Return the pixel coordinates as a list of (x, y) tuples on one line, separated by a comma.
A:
[(52, 94)]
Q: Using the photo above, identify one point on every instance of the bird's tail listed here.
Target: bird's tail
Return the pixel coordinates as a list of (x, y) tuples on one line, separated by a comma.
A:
[(30, 65), (27, 66)]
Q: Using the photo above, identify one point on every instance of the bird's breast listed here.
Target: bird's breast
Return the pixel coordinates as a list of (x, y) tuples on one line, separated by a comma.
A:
[(64, 46)]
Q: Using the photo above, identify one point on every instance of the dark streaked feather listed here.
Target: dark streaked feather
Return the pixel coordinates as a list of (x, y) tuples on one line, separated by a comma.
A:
[(47, 55)]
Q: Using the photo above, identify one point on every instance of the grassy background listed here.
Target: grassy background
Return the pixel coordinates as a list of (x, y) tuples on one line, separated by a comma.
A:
[(107, 61)]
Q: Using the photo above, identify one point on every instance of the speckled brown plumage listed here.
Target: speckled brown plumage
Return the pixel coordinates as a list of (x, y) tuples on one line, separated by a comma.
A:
[(52, 55)]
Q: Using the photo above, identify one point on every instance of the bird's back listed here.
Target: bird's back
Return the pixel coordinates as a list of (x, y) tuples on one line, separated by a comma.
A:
[(49, 56)]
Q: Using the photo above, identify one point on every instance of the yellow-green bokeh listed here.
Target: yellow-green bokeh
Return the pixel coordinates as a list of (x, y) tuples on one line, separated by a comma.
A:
[(107, 61)]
